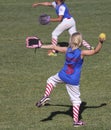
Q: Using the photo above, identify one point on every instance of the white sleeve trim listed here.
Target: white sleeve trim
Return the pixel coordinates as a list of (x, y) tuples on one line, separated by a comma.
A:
[(61, 10), (54, 4)]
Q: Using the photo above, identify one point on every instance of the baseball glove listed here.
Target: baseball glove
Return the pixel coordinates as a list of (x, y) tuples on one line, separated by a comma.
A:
[(33, 42), (44, 19)]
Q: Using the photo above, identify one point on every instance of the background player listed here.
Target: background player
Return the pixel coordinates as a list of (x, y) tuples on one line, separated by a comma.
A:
[(70, 73), (67, 22)]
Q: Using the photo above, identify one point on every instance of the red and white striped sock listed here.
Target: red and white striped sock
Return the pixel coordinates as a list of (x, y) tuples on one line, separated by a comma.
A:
[(76, 113), (86, 44), (54, 42), (48, 89)]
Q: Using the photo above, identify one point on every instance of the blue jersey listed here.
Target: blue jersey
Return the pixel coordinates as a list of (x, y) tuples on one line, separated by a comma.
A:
[(71, 71), (62, 9)]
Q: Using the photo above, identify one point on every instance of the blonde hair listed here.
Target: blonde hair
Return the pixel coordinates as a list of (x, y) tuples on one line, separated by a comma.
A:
[(76, 39)]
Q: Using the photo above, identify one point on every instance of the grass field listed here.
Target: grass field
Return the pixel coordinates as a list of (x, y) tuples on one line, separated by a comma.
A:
[(23, 73)]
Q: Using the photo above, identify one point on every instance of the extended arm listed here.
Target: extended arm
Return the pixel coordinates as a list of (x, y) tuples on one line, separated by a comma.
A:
[(92, 52), (53, 47), (58, 19), (42, 4)]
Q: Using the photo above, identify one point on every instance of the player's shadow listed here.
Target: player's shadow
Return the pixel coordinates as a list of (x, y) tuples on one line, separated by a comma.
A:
[(63, 44), (69, 111)]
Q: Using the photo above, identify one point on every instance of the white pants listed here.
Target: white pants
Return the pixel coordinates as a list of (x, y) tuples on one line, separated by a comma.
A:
[(73, 91), (66, 24)]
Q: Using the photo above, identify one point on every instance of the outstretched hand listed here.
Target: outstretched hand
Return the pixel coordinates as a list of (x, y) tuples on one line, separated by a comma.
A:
[(101, 40), (34, 5)]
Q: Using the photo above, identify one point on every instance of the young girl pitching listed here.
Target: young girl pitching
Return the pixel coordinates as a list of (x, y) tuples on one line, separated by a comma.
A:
[(70, 73), (65, 19)]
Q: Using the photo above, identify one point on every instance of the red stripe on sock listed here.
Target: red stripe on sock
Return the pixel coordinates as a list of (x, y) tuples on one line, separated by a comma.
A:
[(54, 41), (48, 90), (76, 113)]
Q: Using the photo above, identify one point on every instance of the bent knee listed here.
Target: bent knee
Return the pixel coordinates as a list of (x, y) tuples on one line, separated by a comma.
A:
[(51, 80), (76, 102)]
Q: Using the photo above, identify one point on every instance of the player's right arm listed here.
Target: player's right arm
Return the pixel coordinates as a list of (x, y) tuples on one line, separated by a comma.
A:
[(94, 51), (54, 47), (42, 4)]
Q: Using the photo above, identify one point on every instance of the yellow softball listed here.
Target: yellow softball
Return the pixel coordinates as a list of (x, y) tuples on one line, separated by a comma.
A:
[(102, 36)]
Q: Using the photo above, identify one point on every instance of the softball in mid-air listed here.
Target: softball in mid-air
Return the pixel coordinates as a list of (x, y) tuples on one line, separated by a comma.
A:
[(102, 36)]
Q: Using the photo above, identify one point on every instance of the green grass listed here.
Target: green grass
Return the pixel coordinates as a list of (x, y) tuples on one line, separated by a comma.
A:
[(23, 74)]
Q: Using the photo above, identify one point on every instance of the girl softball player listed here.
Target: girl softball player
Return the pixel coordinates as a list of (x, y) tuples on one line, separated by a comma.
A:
[(70, 73), (67, 22)]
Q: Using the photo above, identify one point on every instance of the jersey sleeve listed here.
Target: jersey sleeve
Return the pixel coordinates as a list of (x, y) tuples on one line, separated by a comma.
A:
[(61, 10), (54, 4)]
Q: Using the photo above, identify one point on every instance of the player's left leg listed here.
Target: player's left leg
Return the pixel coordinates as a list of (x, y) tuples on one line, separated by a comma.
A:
[(74, 95), (51, 83), (64, 25), (57, 31), (87, 45)]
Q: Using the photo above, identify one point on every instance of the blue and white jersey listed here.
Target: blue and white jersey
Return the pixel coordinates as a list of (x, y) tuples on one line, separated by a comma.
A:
[(62, 10), (71, 71)]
